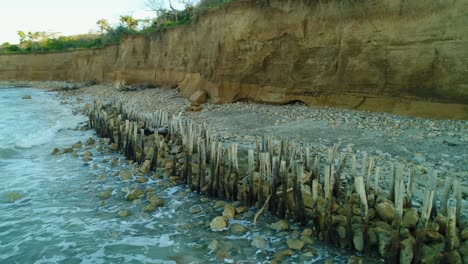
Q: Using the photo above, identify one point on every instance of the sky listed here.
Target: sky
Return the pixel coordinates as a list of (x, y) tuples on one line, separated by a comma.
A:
[(64, 16)]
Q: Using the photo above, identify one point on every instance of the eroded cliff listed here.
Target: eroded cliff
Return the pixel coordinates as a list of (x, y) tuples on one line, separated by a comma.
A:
[(405, 57)]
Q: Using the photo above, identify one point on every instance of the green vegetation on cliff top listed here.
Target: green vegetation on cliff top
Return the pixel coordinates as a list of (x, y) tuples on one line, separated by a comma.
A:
[(32, 42)]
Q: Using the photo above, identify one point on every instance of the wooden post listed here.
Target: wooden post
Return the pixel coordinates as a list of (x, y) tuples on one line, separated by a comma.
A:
[(446, 193), (458, 192), (201, 163), (250, 171), (174, 165), (369, 173), (154, 158), (451, 239), (284, 184), (275, 180), (391, 182), (376, 182), (426, 212), (399, 195), (142, 139), (409, 190), (427, 205), (298, 178), (328, 188), (361, 191), (235, 166), (211, 184)]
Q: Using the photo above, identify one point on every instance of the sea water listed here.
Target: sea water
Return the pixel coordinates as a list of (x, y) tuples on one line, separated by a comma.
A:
[(52, 207)]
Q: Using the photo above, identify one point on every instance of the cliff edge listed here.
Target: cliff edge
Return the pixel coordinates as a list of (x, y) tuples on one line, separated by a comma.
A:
[(404, 57)]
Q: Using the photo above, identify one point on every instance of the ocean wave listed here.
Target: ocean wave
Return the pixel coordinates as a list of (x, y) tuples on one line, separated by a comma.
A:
[(37, 138), (44, 136)]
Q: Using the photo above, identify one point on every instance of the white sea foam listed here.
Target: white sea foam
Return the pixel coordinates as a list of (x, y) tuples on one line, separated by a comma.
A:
[(37, 138)]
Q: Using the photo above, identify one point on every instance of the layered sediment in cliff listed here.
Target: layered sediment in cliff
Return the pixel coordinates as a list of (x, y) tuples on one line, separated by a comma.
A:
[(396, 56)]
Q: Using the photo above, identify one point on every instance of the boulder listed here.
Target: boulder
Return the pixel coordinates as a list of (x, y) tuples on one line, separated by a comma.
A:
[(241, 209), (307, 240), (464, 233), (258, 242), (307, 232), (156, 201), (294, 243), (57, 151), (229, 211), (385, 211), (237, 229), (199, 97), (213, 245), (218, 223), (355, 260), (384, 241), (219, 204), (26, 97), (142, 179), (410, 218), (87, 154), (280, 255), (429, 255), (406, 250), (195, 209), (150, 208), (433, 236), (358, 240), (145, 167), (123, 213), (463, 249), (136, 194), (114, 147), (125, 175), (281, 225)]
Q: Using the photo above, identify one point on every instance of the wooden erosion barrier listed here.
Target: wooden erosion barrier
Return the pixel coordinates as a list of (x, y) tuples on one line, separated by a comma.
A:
[(349, 200)]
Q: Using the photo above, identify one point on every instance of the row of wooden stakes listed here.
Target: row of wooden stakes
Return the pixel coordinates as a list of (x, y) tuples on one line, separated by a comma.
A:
[(290, 179)]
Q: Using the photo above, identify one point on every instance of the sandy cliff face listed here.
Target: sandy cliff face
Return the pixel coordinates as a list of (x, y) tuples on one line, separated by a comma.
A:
[(406, 57)]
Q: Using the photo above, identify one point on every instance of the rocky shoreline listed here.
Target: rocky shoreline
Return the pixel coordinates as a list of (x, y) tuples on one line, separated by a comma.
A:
[(423, 145)]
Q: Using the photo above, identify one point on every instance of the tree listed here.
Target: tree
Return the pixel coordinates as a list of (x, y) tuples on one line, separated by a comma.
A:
[(129, 22), (22, 36), (160, 6), (103, 25)]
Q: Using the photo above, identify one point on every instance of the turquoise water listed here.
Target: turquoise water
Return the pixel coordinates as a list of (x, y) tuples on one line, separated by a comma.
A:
[(52, 207)]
